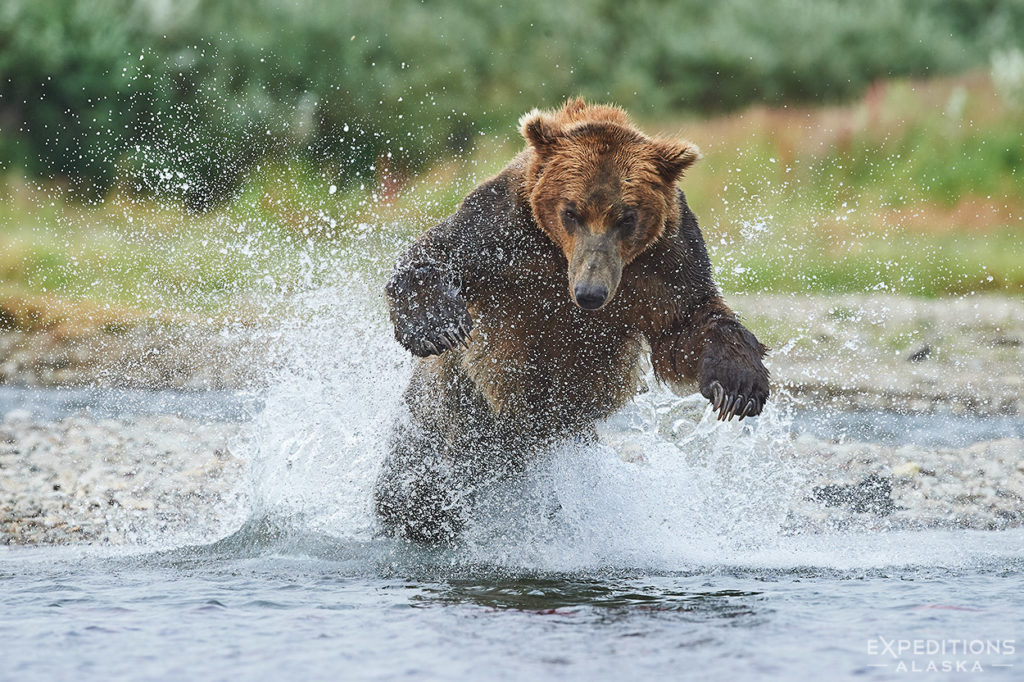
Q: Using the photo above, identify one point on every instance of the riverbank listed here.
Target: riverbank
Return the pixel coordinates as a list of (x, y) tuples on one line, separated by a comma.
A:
[(55, 343), (963, 355), (166, 479), (74, 478), (107, 481)]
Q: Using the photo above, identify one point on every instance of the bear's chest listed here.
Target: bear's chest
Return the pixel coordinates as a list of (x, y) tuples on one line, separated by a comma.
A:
[(535, 353)]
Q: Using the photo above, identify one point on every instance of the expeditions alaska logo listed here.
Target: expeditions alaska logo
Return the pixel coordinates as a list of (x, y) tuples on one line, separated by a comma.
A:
[(941, 655)]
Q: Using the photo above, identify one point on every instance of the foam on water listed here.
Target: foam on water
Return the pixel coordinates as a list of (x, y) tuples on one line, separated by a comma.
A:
[(318, 442)]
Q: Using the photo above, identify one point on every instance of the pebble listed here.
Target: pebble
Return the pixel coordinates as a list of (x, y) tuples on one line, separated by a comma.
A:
[(168, 480), (145, 480)]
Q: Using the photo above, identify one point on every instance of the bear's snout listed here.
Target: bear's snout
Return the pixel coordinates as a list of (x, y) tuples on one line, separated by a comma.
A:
[(595, 268), (590, 296)]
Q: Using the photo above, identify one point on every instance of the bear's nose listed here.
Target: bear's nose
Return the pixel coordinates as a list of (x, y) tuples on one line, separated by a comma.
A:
[(590, 296)]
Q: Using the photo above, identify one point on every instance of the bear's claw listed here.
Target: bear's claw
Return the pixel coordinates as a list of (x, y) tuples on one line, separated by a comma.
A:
[(718, 394), (730, 408), (733, 378), (729, 405), (425, 332), (440, 340), (748, 409), (428, 312)]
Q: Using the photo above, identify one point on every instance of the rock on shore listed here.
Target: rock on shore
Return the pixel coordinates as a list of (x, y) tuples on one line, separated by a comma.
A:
[(867, 486)]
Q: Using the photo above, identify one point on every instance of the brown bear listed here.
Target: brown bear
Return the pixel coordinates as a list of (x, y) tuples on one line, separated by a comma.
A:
[(533, 305)]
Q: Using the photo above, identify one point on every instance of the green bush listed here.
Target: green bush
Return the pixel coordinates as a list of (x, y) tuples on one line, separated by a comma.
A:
[(184, 98)]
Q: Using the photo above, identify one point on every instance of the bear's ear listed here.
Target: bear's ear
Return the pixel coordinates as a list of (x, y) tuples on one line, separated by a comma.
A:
[(672, 157), (574, 106), (540, 130)]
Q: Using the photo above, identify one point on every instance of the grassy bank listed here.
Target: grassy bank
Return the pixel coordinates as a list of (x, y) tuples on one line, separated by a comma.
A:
[(916, 189)]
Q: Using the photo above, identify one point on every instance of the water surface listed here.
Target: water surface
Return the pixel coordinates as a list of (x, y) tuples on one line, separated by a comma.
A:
[(660, 552), (313, 608)]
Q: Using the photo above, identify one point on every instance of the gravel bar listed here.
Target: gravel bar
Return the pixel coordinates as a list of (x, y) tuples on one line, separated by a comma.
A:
[(169, 480)]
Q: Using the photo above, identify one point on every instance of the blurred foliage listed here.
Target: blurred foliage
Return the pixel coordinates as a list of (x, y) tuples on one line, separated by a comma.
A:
[(185, 97), (915, 189)]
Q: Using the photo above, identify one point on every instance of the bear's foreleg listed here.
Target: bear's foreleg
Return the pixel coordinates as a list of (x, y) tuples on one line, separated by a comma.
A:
[(724, 357), (427, 309)]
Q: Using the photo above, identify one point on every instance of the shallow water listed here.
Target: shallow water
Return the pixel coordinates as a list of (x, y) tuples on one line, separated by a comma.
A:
[(590, 568), (658, 552), (116, 403), (831, 607), (872, 426)]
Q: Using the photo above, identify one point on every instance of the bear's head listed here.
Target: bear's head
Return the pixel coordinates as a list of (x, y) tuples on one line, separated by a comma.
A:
[(601, 190)]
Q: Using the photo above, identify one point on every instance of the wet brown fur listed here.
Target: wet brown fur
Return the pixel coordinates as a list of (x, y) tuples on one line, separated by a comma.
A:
[(538, 367)]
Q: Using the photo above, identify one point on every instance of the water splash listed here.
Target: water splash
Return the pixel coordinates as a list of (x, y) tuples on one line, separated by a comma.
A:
[(318, 443), (666, 483)]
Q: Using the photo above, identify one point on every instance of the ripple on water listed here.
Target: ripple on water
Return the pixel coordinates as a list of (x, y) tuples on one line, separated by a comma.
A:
[(285, 607)]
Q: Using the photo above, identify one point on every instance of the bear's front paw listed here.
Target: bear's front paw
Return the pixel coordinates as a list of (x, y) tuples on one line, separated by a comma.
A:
[(736, 387), (427, 330)]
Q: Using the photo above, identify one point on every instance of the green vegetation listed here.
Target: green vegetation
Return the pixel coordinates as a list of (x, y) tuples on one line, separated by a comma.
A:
[(185, 99), (198, 158), (916, 189)]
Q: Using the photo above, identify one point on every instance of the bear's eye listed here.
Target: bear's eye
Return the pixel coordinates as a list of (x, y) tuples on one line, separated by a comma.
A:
[(570, 218), (627, 223)]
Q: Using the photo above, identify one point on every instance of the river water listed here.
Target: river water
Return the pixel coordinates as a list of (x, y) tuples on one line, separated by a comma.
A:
[(272, 608), (659, 553), (617, 579)]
